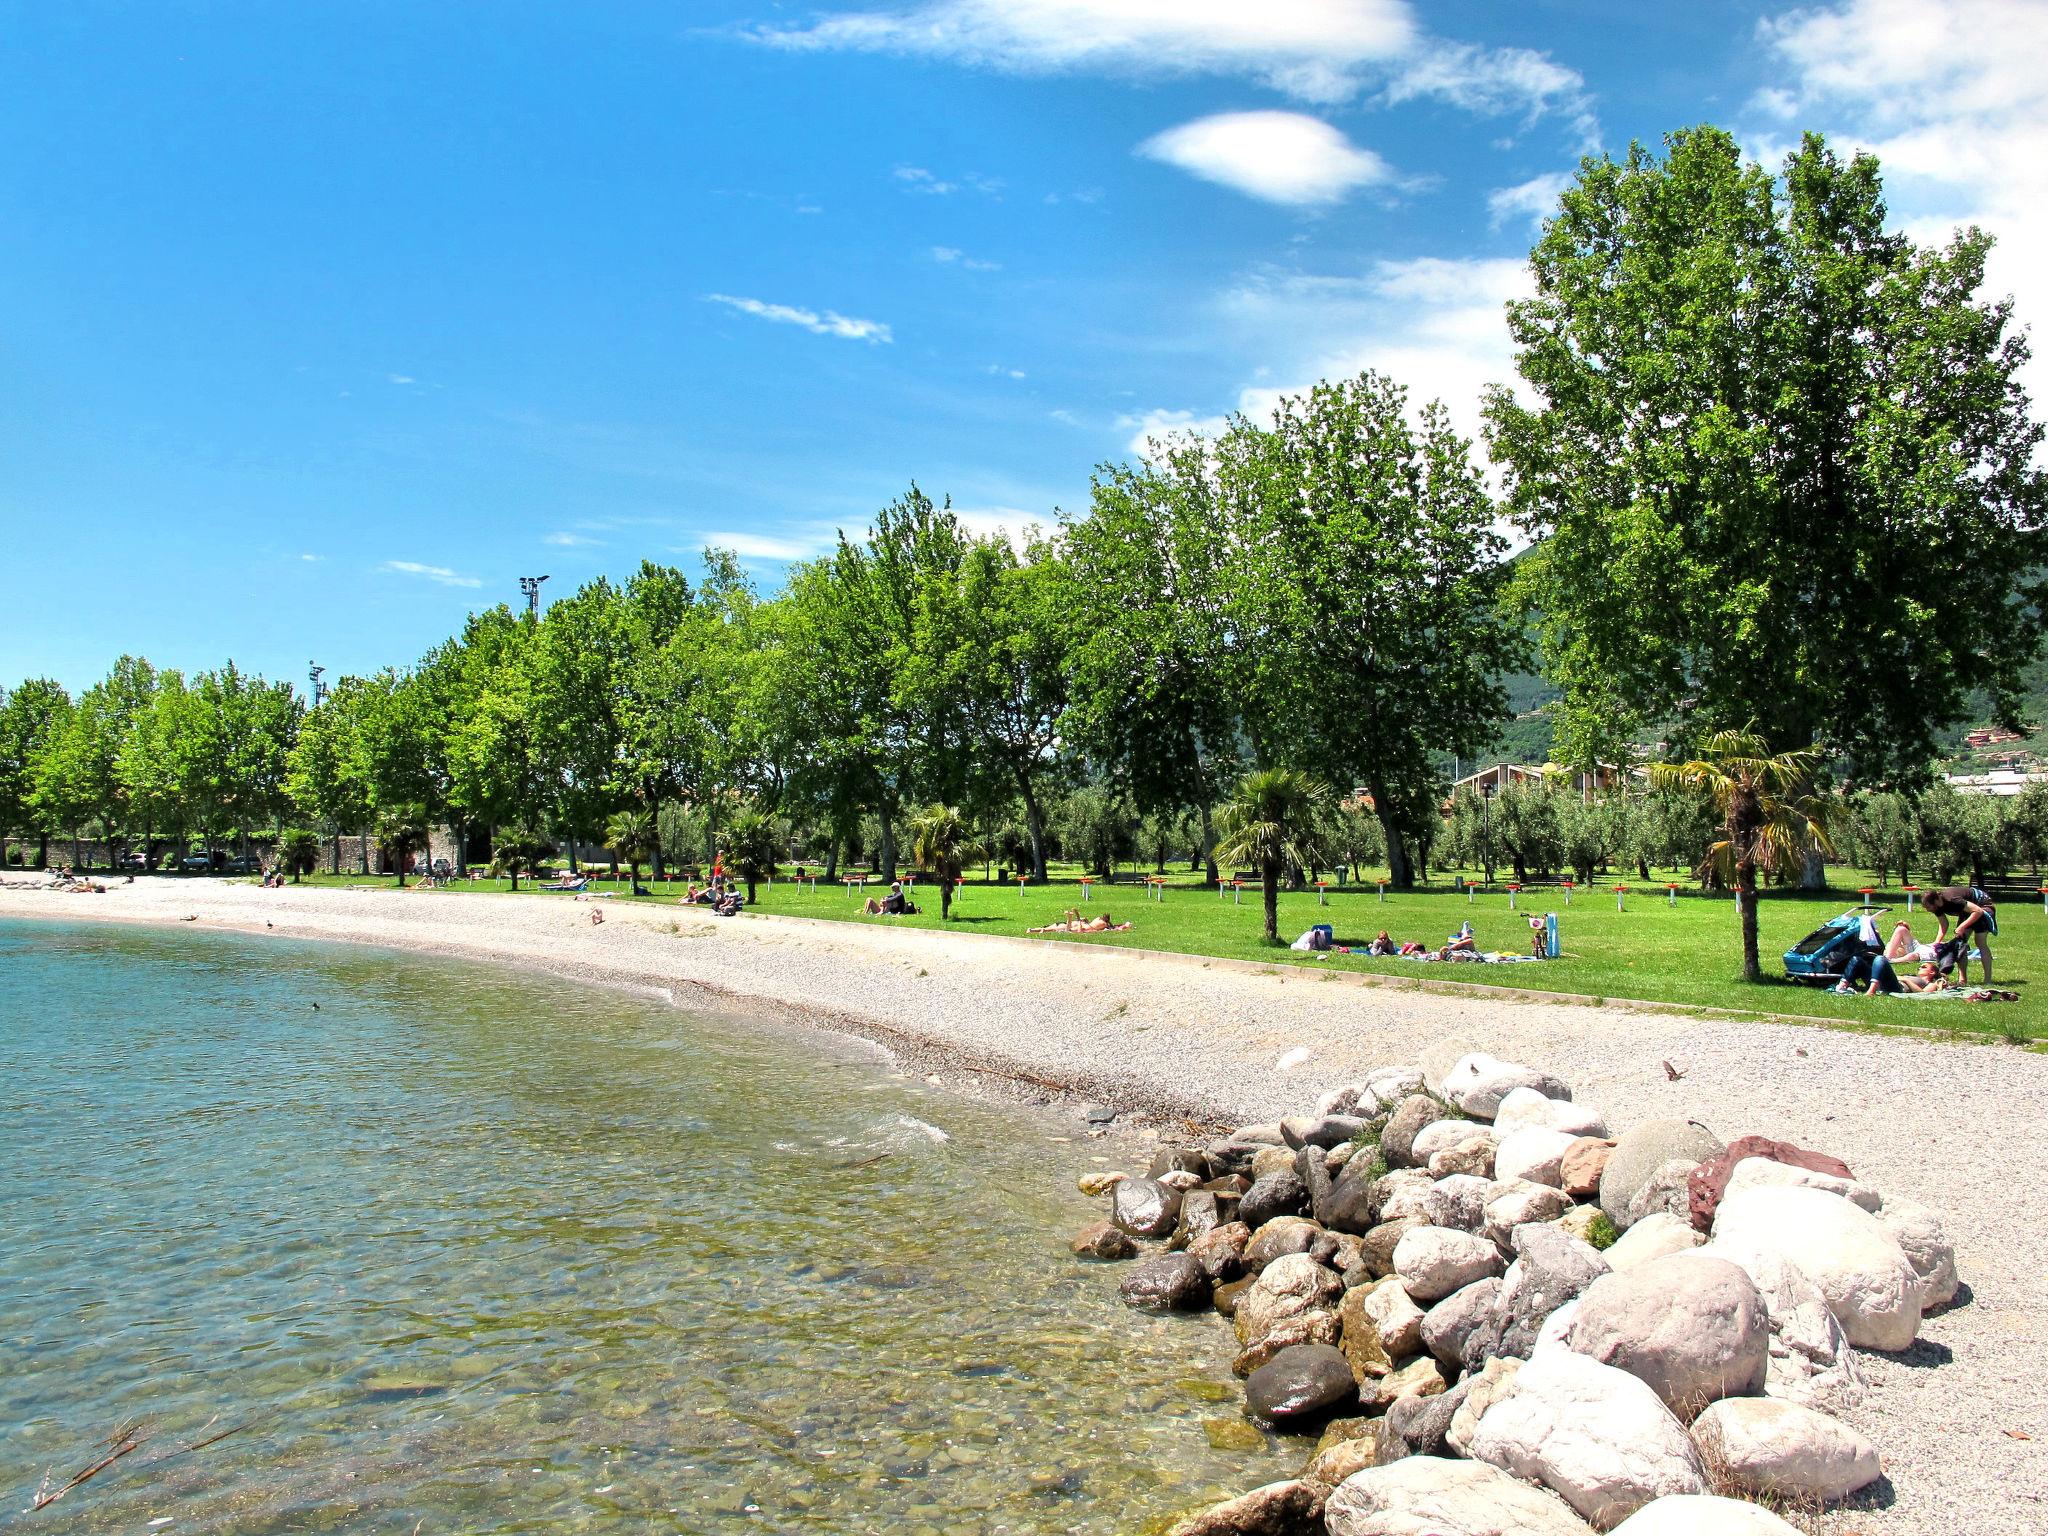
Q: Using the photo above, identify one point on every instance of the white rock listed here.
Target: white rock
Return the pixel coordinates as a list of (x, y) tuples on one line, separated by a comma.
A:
[(1556, 1332), (1510, 1204), (1435, 1261), (1478, 1083), (1695, 1329), (1811, 1361), (1437, 1135), (1394, 1316), (1702, 1514), (1534, 1153), (1465, 1074), (1927, 1249), (1852, 1257), (1526, 1107), (1470, 1153), (1492, 1383), (1388, 1086), (1597, 1435), (1405, 1192), (1436, 1496), (1785, 1450), (1766, 1173), (1652, 1238)]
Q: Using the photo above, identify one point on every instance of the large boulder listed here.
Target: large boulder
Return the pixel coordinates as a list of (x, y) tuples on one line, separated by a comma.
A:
[(1652, 1238), (1417, 1376), (1927, 1249), (1703, 1514), (1526, 1107), (1293, 1508), (1287, 1287), (1277, 1194), (1764, 1172), (1783, 1450), (1854, 1260), (1551, 1268), (1404, 1192), (1351, 1205), (1300, 1386), (1435, 1261), (1220, 1250), (1479, 1082), (1811, 1359), (1471, 1153), (1534, 1153), (1145, 1207), (1272, 1160), (1424, 1423), (1695, 1329), (1173, 1282), (1710, 1182), (1371, 1347), (1397, 1136), (1640, 1151), (1319, 1326), (1665, 1193), (1376, 1248), (1438, 1134), (1460, 1329), (1434, 1496), (1597, 1435)]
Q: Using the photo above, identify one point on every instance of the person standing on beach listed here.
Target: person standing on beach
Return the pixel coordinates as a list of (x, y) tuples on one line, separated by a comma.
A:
[(1975, 915)]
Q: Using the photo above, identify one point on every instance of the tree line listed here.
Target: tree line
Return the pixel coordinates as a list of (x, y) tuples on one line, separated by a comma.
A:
[(1773, 464)]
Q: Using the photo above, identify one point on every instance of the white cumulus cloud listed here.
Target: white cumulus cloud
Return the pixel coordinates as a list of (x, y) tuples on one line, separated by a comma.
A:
[(1534, 199), (434, 573), (818, 322), (563, 540), (1282, 157), (762, 546)]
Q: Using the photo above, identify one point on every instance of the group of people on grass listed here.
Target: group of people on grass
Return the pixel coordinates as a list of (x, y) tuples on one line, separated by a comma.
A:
[(1903, 963), (723, 896)]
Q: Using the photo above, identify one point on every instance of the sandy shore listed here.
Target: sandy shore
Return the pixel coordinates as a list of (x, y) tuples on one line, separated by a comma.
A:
[(1956, 1127)]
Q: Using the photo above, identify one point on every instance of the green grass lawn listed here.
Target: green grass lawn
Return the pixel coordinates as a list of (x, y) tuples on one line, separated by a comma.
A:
[(1687, 953)]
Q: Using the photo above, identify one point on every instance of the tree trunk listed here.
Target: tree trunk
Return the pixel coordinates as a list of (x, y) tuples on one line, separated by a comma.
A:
[(1813, 873), (1034, 823), (1208, 844), (945, 900), (889, 842), (363, 849), (1269, 880), (832, 859), (635, 864), (42, 850), (1745, 898), (750, 890)]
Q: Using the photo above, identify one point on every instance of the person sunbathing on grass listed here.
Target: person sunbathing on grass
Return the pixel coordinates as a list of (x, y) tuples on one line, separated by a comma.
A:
[(1459, 943), (1074, 923)]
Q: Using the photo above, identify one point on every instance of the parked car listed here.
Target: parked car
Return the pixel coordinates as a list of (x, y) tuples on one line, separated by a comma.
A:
[(242, 864), (132, 861), (200, 863)]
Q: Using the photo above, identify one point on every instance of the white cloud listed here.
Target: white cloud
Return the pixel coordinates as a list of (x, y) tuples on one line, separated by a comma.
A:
[(821, 323), (1012, 524), (1167, 425), (1312, 50), (1282, 157), (999, 371), (761, 546), (401, 378), (435, 573), (1534, 199), (949, 255), (916, 178), (1952, 96), (310, 559), (572, 541)]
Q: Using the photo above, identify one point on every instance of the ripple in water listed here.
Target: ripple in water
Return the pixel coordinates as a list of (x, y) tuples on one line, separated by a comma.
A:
[(495, 1253)]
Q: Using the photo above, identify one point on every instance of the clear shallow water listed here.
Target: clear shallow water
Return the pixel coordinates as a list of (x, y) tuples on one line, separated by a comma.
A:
[(473, 1251)]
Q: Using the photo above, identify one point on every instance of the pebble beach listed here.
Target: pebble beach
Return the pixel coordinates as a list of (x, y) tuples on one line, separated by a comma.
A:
[(1166, 1041)]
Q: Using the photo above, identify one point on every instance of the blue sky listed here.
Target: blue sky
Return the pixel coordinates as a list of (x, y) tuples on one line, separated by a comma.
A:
[(325, 322)]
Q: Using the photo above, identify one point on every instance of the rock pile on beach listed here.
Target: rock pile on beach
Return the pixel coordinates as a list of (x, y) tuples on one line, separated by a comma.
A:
[(1486, 1312)]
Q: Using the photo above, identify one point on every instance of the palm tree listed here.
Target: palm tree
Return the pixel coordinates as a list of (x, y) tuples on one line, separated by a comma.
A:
[(1770, 814), (631, 836), (298, 850), (520, 848), (1273, 818), (940, 845), (402, 832), (750, 848)]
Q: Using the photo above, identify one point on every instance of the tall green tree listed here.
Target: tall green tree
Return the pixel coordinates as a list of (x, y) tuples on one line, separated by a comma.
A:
[(31, 719), (327, 777), (1779, 458), (631, 836)]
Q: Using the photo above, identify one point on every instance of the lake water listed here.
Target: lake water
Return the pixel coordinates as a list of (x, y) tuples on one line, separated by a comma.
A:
[(468, 1250)]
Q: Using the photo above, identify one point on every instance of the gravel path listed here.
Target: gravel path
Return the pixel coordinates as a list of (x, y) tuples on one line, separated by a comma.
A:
[(1962, 1419)]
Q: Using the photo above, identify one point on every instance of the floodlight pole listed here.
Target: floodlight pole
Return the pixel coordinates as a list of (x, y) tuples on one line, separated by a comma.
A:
[(315, 671), (530, 586)]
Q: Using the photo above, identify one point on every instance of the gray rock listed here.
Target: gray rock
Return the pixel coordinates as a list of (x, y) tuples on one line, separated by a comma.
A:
[(1199, 1213), (1179, 1160), (1397, 1139), (1278, 1238), (1551, 1268), (1311, 1166), (1220, 1251), (1317, 1327), (1458, 1200), (1403, 1192), (1350, 1205), (1927, 1249), (1435, 1261), (1668, 1192), (1098, 1114), (1780, 1450), (1511, 1205), (1145, 1207), (1173, 1282), (1323, 1131), (1459, 1329), (1424, 1423), (1277, 1194), (1692, 1328), (1376, 1248), (1470, 1153), (1300, 1385), (1288, 1287), (1640, 1151)]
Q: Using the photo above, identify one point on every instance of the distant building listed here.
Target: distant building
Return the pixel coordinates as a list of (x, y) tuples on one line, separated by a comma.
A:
[(1999, 781), (1992, 736), (1491, 781)]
